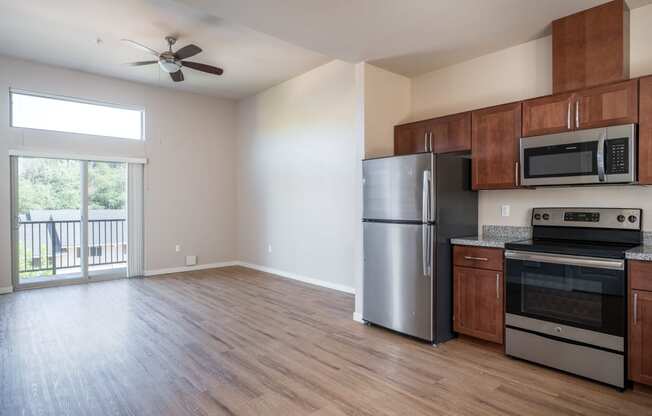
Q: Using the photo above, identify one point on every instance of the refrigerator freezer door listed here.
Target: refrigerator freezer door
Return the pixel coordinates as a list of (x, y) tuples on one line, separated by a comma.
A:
[(399, 188), (398, 264)]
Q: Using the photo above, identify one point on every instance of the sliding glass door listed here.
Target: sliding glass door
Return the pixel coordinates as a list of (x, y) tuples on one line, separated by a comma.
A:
[(70, 221)]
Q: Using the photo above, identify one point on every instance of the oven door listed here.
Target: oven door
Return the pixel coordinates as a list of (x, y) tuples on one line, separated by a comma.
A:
[(580, 295), (562, 159)]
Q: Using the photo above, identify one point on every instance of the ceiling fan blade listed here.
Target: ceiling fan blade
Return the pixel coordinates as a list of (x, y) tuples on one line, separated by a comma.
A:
[(177, 76), (141, 63), (141, 47), (203, 67), (187, 51)]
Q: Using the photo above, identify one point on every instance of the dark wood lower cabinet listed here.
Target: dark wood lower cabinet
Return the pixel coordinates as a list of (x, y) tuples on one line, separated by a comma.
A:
[(640, 321), (478, 303), (640, 358)]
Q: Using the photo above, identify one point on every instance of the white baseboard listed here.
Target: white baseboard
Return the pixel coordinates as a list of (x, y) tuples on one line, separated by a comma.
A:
[(190, 268), (300, 278), (358, 317), (5, 290), (289, 275)]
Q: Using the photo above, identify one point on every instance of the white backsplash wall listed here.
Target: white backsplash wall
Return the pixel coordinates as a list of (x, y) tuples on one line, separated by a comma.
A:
[(521, 202)]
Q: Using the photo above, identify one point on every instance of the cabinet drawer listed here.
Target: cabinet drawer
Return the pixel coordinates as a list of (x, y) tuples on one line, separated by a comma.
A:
[(478, 257), (640, 275)]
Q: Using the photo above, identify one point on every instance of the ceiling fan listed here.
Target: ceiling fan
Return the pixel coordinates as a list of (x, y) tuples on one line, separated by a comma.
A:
[(171, 62)]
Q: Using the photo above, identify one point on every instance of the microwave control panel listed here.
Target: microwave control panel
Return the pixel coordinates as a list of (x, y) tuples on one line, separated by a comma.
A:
[(617, 156)]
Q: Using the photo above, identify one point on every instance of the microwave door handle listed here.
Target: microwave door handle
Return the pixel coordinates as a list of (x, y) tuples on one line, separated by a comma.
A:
[(600, 155)]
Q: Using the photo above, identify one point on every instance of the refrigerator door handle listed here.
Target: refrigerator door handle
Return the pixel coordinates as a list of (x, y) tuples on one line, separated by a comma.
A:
[(430, 249), (426, 197), (425, 243)]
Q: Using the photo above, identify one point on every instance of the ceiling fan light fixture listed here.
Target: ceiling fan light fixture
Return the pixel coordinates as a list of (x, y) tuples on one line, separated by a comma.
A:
[(169, 66)]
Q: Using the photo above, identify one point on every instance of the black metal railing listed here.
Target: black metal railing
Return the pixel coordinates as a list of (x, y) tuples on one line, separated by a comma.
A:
[(45, 246)]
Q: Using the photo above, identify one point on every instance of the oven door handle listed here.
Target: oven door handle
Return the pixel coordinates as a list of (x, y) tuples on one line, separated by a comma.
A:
[(593, 262)]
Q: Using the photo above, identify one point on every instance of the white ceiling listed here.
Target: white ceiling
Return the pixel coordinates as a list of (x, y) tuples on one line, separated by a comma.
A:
[(410, 37), (65, 33), (260, 43)]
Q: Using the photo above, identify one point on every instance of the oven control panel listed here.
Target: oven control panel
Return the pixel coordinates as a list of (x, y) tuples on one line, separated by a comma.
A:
[(616, 218)]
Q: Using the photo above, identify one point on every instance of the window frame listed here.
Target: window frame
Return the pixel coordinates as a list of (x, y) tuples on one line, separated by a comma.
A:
[(99, 103)]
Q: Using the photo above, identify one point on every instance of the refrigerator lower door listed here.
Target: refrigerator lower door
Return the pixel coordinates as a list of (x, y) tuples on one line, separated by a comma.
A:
[(398, 264)]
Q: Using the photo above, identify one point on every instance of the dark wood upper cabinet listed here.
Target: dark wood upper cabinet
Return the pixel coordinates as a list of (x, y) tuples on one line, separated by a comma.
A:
[(451, 133), (645, 132), (591, 47), (607, 105), (411, 138), (495, 134), (440, 135), (589, 108), (548, 115)]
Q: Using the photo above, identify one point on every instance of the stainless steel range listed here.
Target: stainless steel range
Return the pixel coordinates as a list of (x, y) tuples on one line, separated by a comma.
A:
[(566, 291)]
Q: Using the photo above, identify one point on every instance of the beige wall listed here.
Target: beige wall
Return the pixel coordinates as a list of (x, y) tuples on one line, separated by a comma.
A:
[(520, 72), (189, 182), (298, 158), (387, 102)]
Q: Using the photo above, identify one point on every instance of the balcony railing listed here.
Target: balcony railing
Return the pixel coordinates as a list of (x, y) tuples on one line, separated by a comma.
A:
[(47, 246)]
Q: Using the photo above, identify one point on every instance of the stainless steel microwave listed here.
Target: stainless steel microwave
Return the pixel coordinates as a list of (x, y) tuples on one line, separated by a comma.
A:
[(595, 156)]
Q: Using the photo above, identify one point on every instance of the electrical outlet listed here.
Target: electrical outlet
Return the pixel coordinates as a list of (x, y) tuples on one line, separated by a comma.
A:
[(269, 248), (177, 248), (504, 210)]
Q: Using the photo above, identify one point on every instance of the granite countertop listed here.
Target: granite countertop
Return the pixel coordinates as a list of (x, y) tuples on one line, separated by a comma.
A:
[(643, 253), (495, 236)]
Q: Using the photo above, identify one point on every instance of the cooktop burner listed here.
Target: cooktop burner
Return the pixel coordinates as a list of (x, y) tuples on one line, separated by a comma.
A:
[(588, 232)]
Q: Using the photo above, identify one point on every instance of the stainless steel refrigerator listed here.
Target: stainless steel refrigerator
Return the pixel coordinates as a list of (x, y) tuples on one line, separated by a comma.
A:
[(413, 205)]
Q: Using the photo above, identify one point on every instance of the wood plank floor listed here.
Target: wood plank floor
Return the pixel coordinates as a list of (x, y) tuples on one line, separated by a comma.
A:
[(234, 341)]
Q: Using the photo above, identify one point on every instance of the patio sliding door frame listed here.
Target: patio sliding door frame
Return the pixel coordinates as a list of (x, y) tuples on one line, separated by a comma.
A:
[(86, 275)]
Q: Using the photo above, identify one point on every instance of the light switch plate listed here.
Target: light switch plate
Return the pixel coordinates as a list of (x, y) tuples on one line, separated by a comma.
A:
[(191, 260)]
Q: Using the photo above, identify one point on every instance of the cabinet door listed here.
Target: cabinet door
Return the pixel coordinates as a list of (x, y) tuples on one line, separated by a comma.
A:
[(645, 132), (451, 133), (494, 146), (410, 138), (548, 115), (607, 105), (640, 357), (591, 47), (478, 303)]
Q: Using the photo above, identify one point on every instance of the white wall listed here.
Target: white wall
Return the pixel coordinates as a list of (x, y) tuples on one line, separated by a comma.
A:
[(298, 179), (189, 182), (520, 72), (387, 102)]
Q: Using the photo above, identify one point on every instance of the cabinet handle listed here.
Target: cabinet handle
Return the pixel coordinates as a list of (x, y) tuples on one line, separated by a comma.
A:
[(497, 285), (568, 116), (635, 308), (425, 141), (476, 258), (430, 141), (577, 114), (516, 174)]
